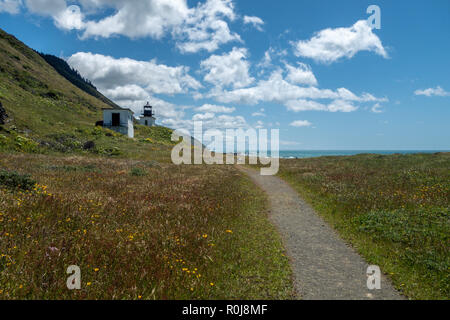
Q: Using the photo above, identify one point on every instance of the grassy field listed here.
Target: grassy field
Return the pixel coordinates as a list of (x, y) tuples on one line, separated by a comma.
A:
[(393, 209), (137, 229)]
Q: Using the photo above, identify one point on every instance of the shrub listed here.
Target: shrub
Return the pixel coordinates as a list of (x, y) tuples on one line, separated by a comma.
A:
[(14, 180), (138, 172), (89, 145)]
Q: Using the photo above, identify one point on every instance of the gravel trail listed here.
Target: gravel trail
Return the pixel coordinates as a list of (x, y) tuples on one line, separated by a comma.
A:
[(324, 267)]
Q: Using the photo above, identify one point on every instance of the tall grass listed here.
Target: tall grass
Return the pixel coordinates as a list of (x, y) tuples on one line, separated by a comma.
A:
[(394, 209), (172, 233)]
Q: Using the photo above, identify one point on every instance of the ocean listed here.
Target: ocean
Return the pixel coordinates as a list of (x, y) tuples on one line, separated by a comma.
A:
[(319, 153)]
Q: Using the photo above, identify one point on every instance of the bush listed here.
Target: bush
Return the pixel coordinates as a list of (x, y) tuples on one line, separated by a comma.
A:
[(138, 172), (89, 145), (14, 180)]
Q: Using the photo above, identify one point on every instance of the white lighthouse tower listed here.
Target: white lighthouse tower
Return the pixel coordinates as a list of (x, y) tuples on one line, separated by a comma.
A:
[(147, 118)]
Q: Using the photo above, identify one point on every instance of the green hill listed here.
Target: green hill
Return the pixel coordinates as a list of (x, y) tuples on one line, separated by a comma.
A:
[(48, 113), (63, 68)]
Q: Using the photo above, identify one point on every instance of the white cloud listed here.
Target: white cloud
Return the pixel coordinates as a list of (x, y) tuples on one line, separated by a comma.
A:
[(438, 91), (341, 106), (70, 18), (228, 69), (277, 89), (65, 17), (337, 105), (110, 73), (131, 83), (255, 21), (330, 45), (203, 116), (214, 109), (301, 74), (377, 108), (10, 6), (203, 27), (208, 122), (259, 113), (301, 123)]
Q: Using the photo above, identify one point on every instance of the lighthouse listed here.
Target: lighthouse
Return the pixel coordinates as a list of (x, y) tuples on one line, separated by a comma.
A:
[(147, 118)]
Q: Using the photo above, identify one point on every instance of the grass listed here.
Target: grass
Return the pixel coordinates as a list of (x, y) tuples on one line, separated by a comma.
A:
[(393, 209), (177, 232)]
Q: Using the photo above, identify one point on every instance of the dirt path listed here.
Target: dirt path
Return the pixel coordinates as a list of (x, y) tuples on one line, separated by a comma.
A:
[(324, 266)]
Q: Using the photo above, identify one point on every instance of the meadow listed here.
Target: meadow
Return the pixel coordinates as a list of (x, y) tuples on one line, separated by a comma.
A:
[(138, 229), (393, 209)]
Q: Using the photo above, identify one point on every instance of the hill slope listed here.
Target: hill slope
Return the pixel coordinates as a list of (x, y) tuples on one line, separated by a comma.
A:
[(63, 68), (37, 99), (46, 111)]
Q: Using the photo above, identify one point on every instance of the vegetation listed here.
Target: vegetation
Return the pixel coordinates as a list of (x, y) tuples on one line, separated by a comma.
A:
[(187, 233), (138, 226), (393, 209), (13, 180), (72, 75)]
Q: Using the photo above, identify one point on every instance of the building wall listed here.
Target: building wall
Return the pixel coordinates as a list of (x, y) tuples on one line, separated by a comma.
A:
[(150, 121), (126, 121)]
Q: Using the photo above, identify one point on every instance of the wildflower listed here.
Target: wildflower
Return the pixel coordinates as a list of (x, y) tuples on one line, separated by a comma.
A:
[(139, 297), (88, 284), (229, 231), (205, 236), (212, 284), (21, 286), (96, 269)]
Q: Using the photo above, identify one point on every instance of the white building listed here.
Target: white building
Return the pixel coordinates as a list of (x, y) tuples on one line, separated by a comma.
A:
[(148, 117), (120, 120)]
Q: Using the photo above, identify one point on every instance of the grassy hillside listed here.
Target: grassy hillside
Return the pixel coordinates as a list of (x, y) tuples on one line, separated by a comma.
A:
[(138, 226), (394, 209), (47, 113), (63, 68)]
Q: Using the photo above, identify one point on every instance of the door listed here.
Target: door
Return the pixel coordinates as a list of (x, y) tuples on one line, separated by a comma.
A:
[(116, 119)]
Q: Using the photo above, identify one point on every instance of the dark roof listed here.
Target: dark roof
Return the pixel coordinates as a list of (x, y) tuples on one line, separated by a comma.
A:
[(118, 109)]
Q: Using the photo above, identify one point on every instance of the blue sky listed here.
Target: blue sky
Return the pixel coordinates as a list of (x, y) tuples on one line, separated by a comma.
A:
[(314, 69)]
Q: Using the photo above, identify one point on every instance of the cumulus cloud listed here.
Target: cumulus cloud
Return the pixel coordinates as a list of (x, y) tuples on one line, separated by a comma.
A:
[(438, 91), (254, 21), (203, 27), (10, 6), (301, 123), (215, 109), (277, 89), (228, 69), (337, 105), (109, 73), (301, 74), (330, 45), (203, 116), (131, 83), (216, 122)]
